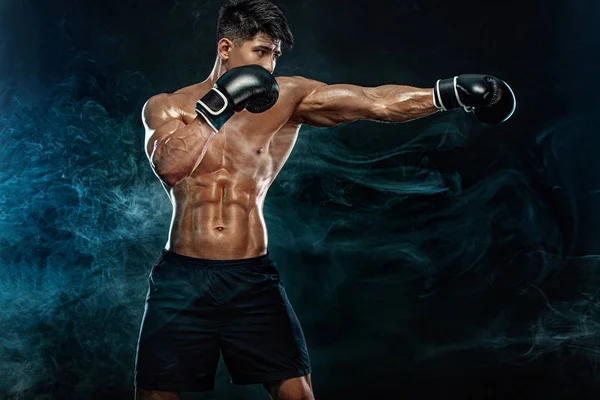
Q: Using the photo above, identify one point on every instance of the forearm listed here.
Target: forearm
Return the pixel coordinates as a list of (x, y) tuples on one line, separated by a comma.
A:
[(397, 103), (178, 155)]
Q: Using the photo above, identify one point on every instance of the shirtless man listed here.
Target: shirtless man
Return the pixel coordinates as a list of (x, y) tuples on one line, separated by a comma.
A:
[(217, 146)]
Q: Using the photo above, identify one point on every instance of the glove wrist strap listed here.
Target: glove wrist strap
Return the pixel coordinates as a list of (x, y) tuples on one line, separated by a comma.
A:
[(437, 100), (446, 96), (215, 108)]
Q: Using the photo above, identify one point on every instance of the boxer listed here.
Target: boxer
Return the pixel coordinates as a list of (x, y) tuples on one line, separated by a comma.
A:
[(217, 146)]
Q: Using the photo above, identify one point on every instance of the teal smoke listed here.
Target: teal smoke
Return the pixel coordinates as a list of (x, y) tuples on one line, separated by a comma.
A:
[(435, 245), (372, 238)]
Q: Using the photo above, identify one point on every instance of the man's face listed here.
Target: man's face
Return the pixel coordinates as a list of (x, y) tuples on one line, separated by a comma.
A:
[(261, 50)]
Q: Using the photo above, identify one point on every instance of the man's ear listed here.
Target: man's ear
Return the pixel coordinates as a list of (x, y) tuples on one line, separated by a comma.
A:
[(223, 47)]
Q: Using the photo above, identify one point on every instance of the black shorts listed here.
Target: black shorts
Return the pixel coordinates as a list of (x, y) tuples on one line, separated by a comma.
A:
[(196, 308)]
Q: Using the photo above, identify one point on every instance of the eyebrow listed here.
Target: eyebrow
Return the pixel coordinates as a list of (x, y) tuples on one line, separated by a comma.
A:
[(266, 48)]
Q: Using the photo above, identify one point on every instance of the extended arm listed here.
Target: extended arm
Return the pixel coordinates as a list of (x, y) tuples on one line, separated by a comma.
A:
[(329, 105), (489, 98)]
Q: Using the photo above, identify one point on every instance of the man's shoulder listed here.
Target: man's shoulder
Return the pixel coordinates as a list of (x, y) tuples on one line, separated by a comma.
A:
[(168, 106), (166, 100), (296, 80), (298, 85)]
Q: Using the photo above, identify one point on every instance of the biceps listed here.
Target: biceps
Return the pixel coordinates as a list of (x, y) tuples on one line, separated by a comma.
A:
[(330, 105)]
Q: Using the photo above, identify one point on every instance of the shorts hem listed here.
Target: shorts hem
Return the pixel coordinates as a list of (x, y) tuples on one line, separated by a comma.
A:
[(176, 387), (270, 377)]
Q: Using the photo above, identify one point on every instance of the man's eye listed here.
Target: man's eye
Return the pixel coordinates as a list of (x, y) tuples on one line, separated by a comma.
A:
[(260, 51)]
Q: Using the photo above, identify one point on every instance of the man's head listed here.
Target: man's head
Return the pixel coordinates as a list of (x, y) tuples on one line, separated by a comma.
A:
[(252, 32)]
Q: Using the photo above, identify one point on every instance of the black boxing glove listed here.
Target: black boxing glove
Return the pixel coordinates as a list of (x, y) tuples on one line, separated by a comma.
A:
[(490, 98), (250, 86)]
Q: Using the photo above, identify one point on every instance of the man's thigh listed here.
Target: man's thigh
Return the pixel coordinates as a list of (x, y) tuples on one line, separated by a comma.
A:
[(261, 338), (178, 347)]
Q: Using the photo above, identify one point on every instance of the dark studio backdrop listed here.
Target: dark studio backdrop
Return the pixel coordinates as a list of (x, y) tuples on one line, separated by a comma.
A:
[(439, 258)]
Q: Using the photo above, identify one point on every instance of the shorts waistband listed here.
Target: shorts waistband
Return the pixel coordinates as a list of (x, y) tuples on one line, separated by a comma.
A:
[(168, 255)]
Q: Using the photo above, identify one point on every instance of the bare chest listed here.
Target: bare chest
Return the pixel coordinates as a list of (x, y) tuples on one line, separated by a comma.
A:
[(249, 147)]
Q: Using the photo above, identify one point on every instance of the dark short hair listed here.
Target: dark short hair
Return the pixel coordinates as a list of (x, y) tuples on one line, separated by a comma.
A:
[(241, 20)]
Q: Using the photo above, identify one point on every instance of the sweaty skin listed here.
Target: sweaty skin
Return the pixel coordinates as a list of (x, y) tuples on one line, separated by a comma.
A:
[(217, 182), (221, 180), (218, 209)]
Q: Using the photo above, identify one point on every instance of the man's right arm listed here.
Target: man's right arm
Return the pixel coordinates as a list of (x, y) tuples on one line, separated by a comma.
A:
[(176, 149), (173, 147)]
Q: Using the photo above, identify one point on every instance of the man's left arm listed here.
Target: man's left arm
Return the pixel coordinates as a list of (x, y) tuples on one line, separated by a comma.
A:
[(325, 105)]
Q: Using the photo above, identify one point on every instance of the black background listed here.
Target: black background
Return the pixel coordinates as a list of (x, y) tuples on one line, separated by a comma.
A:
[(439, 258)]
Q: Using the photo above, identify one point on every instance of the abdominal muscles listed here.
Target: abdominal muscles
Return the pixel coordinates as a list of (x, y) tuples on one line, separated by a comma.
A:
[(219, 217)]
